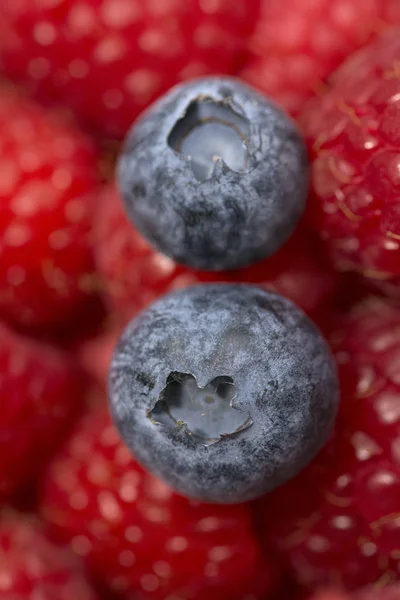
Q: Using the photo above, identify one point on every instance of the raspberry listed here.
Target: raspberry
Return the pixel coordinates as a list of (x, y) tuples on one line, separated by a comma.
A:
[(41, 392), (298, 43), (109, 59), (354, 142), (371, 415), (48, 180), (137, 536), (344, 526), (32, 566)]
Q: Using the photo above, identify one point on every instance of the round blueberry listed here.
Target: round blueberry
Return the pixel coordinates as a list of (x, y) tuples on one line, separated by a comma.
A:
[(214, 175), (225, 391)]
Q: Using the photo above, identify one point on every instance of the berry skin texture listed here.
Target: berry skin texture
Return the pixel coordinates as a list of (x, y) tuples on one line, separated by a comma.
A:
[(297, 44), (210, 390), (353, 136), (109, 59), (139, 538), (344, 529), (213, 175), (49, 177), (32, 566), (41, 392), (370, 358)]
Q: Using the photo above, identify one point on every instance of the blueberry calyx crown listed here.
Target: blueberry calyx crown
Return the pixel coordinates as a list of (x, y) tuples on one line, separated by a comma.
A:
[(207, 412), (211, 130)]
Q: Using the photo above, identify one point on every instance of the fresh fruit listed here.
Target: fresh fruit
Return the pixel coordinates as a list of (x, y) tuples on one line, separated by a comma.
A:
[(213, 175), (210, 390), (47, 186), (109, 59), (344, 526), (224, 390), (353, 135), (297, 44), (32, 566), (133, 274), (40, 393), (137, 536)]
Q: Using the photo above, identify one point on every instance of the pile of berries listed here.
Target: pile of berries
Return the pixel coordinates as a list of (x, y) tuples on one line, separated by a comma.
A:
[(200, 300)]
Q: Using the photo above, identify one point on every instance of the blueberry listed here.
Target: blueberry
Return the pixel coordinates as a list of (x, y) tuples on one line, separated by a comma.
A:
[(225, 391), (214, 175)]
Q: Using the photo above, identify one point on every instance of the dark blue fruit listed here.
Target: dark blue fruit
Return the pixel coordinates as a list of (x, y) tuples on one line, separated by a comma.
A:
[(224, 391), (214, 175)]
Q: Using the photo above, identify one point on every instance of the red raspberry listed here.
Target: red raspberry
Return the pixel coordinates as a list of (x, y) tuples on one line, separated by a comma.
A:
[(140, 538), (40, 391), (353, 134), (370, 357), (32, 566), (135, 275), (48, 176), (368, 351), (108, 59), (298, 43), (344, 525)]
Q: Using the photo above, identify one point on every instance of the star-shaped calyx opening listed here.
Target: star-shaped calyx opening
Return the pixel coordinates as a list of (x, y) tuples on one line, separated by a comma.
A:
[(211, 130), (208, 412)]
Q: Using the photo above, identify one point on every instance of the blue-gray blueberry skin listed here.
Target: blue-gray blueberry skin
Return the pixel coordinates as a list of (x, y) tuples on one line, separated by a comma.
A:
[(234, 217), (285, 385)]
